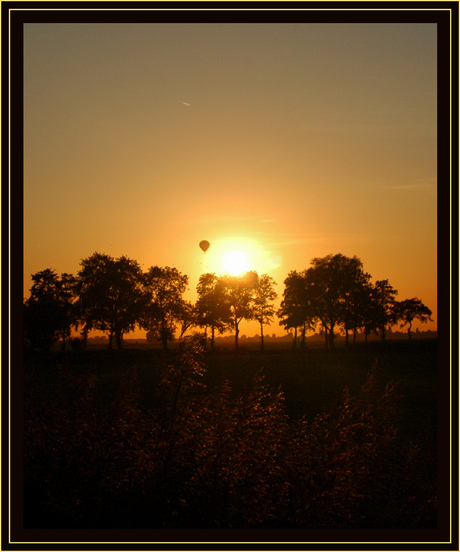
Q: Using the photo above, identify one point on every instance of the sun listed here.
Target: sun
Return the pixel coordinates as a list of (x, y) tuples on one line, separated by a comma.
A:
[(236, 262)]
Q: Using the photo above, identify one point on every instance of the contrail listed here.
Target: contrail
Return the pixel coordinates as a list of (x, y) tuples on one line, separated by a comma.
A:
[(185, 103)]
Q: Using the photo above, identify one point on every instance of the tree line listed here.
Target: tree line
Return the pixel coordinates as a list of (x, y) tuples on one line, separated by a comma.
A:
[(114, 295)]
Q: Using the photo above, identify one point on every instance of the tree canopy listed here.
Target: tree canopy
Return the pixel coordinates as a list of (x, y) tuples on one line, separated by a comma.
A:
[(409, 310), (238, 298), (263, 302), (211, 309), (165, 305), (111, 295), (49, 312)]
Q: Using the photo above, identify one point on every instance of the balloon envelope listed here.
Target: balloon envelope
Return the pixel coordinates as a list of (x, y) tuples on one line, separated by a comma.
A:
[(204, 245)]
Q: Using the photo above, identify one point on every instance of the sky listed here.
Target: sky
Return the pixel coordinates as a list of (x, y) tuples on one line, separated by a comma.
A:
[(284, 142)]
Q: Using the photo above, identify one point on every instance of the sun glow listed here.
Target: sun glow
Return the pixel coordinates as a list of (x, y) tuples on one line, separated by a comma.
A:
[(236, 255), (236, 262)]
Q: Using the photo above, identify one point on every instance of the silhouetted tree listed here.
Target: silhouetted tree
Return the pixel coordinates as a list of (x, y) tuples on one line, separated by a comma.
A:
[(238, 296), (187, 318), (296, 310), (410, 310), (211, 308), (355, 292), (68, 297), (166, 306), (49, 312), (367, 314), (332, 280), (383, 306), (111, 295), (264, 295)]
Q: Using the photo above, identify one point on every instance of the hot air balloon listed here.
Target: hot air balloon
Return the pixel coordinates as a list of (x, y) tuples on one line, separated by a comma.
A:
[(204, 245)]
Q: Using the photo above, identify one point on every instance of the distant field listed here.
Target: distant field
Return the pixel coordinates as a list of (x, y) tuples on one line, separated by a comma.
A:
[(312, 380)]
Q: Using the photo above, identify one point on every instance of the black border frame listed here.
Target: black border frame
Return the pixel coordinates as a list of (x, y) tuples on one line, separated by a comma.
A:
[(14, 15)]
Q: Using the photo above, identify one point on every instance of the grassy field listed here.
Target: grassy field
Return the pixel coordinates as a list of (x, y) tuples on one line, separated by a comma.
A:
[(139, 438)]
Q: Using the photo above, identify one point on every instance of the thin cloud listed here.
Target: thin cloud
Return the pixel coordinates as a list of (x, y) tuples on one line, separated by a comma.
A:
[(412, 186), (227, 218), (344, 237)]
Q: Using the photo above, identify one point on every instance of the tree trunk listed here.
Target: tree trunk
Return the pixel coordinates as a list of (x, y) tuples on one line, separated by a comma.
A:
[(294, 344), (205, 341), (262, 346), (119, 339), (304, 331), (331, 336), (84, 336), (409, 330), (212, 338), (164, 337), (237, 331)]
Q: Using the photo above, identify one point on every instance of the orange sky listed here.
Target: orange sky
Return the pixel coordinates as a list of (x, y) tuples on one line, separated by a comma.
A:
[(299, 140)]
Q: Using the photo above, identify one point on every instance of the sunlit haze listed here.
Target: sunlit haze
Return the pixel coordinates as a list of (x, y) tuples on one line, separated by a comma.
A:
[(277, 143), (236, 263)]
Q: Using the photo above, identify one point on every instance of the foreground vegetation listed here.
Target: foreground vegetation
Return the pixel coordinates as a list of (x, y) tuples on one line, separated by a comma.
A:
[(281, 439)]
